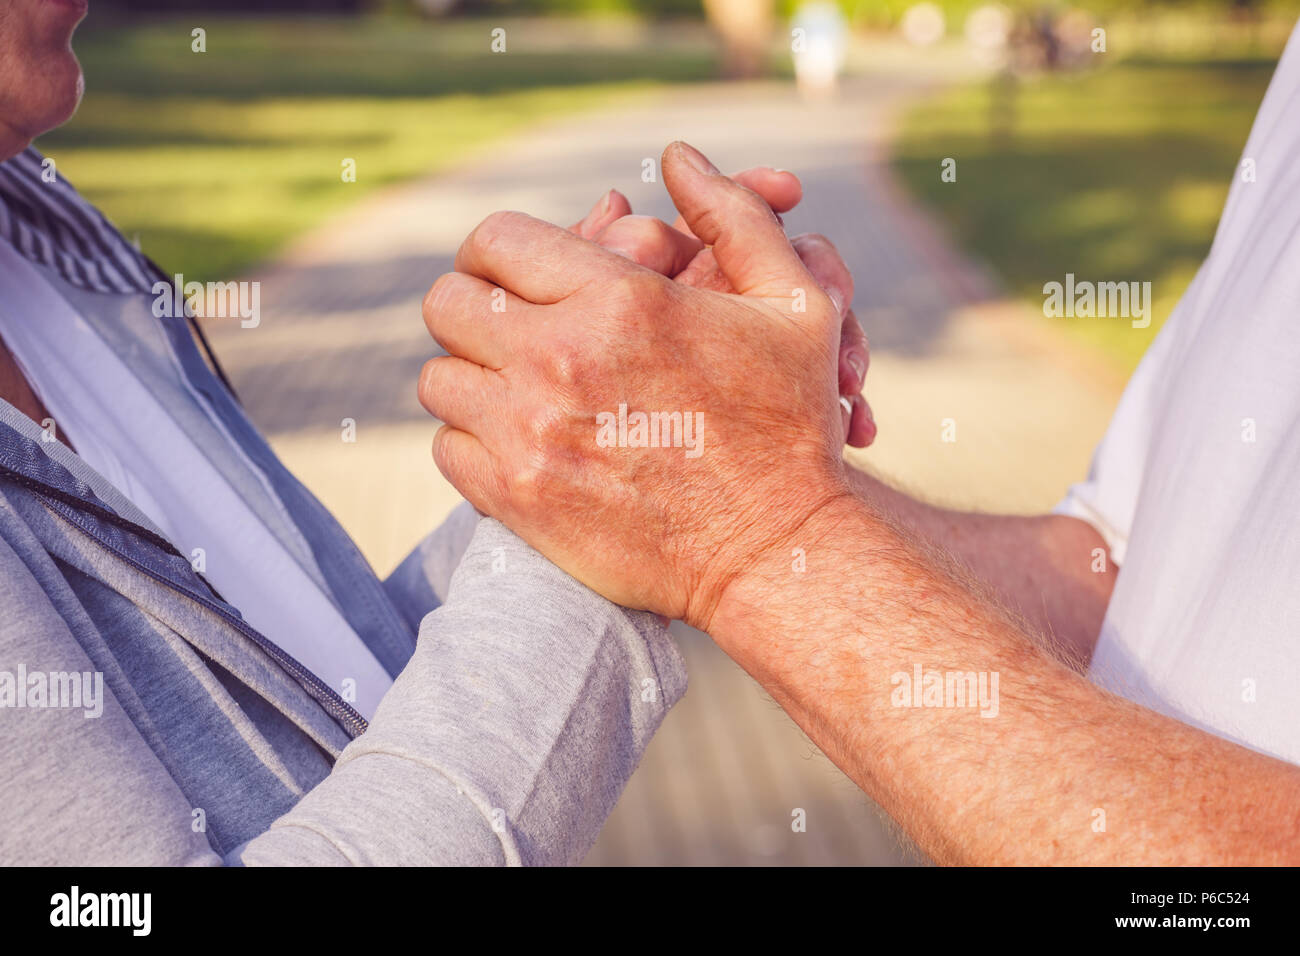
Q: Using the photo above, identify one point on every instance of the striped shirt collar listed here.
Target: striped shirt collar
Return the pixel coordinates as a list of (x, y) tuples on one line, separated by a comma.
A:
[(44, 218)]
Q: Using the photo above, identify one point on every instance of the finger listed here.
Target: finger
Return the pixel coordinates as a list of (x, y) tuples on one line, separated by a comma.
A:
[(824, 262), (650, 242), (780, 188), (862, 426), (468, 465), (749, 243), (855, 356), (473, 319), (817, 253), (703, 273), (609, 207), (460, 393), (536, 260)]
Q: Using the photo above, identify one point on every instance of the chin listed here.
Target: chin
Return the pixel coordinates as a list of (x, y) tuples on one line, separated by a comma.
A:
[(48, 107), (40, 78), (67, 85)]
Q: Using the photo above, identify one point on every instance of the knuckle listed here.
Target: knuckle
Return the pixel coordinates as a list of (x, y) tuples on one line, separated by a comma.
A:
[(620, 291), (636, 291), (444, 456), (545, 435), (423, 385), (478, 481), (636, 305), (657, 227), (640, 238), (443, 291), (491, 230), (427, 386), (743, 200), (737, 205), (653, 231), (530, 477), (568, 364), (710, 222), (429, 307), (543, 459)]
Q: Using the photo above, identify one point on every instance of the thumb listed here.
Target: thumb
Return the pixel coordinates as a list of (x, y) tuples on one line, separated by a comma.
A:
[(748, 240)]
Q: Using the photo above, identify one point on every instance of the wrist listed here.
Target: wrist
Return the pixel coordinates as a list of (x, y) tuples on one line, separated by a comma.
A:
[(804, 567)]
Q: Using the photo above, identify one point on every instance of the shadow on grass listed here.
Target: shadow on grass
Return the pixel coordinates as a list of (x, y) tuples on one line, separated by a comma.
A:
[(1118, 175), (1108, 206)]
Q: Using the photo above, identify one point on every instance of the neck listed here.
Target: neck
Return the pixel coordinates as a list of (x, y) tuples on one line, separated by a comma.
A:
[(12, 142), (16, 390)]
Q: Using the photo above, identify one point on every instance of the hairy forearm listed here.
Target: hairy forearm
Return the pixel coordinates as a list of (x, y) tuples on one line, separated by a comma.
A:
[(1047, 569), (1059, 772)]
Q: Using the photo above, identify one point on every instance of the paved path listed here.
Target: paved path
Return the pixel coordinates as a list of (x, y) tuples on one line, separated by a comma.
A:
[(341, 337)]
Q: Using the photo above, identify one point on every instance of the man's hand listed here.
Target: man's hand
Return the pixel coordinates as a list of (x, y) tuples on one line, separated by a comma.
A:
[(558, 348), (676, 252), (1040, 566)]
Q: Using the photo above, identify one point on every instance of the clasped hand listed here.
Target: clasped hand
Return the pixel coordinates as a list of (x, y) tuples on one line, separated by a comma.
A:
[(579, 361)]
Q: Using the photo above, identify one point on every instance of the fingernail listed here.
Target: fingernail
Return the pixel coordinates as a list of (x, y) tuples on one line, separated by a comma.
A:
[(848, 405), (871, 430), (697, 160), (859, 366), (604, 203), (837, 300)]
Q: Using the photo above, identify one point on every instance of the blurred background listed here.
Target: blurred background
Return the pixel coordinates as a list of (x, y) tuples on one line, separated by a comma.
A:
[(960, 154)]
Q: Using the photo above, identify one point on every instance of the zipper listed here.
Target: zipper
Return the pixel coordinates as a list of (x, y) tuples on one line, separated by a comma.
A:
[(318, 690)]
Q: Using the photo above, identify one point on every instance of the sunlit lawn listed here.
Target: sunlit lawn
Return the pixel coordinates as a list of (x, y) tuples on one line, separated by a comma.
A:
[(1118, 174), (213, 160)]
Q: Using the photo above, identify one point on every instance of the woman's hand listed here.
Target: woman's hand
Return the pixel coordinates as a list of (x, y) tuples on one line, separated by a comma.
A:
[(674, 251)]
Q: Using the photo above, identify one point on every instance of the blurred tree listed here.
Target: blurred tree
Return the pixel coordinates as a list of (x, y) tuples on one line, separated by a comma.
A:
[(745, 27), (651, 9), (236, 6)]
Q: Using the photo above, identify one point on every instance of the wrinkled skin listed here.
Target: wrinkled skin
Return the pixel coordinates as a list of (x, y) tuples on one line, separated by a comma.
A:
[(583, 330), (40, 78), (676, 252)]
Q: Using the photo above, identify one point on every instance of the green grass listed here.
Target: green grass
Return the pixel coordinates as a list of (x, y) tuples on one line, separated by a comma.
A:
[(213, 160), (1118, 174)]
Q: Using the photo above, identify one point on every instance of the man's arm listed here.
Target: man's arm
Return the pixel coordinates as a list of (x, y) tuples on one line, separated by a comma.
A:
[(1046, 768), (1060, 771), (1044, 568)]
